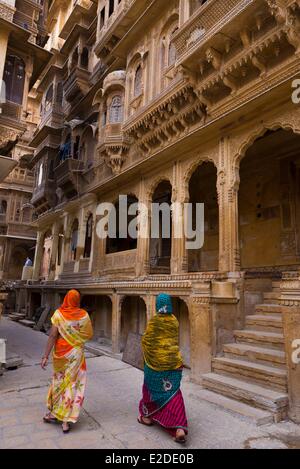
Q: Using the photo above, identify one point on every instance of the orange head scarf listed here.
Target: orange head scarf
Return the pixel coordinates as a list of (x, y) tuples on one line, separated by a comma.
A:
[(70, 309)]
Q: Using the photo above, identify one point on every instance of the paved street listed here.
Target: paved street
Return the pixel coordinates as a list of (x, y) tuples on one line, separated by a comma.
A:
[(110, 410)]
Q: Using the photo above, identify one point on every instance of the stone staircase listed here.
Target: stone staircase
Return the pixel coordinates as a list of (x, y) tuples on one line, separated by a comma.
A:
[(251, 377)]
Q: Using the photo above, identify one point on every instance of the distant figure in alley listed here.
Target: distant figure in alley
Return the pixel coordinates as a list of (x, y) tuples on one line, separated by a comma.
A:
[(162, 400), (71, 328)]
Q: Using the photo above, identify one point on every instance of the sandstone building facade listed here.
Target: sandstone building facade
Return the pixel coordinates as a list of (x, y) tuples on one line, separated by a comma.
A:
[(21, 60), (178, 101)]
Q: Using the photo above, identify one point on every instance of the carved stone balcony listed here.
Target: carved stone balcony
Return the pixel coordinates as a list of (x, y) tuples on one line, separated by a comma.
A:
[(68, 176), (78, 13), (77, 84), (20, 229), (226, 45), (43, 197), (114, 146), (53, 117), (7, 9), (117, 25), (11, 111), (208, 21)]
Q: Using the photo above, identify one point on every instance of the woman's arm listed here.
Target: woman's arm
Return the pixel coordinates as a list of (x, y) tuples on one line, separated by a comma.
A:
[(50, 343)]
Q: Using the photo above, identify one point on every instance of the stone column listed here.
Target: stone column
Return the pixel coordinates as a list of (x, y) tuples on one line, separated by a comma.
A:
[(28, 74), (81, 239), (143, 242), (179, 257), (290, 301), (228, 182), (150, 306), (66, 244), (38, 256), (233, 223), (1, 259), (54, 251), (184, 11), (201, 337), (116, 322)]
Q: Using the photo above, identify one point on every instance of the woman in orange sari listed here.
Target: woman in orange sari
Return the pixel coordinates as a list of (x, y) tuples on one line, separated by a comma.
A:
[(71, 328)]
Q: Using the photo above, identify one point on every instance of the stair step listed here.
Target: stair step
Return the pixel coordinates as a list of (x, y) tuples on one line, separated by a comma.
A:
[(14, 317), (251, 394), (264, 375), (268, 308), (264, 322), (255, 353), (27, 323), (272, 297), (245, 411), (267, 339), (13, 362)]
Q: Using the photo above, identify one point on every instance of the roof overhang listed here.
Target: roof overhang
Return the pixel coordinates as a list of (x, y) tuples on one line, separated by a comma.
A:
[(6, 166), (19, 39)]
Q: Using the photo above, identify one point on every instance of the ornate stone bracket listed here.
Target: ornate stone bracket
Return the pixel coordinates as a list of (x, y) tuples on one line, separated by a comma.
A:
[(115, 157)]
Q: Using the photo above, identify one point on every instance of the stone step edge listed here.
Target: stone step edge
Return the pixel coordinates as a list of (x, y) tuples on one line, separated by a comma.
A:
[(255, 349), (252, 366), (273, 401), (236, 408)]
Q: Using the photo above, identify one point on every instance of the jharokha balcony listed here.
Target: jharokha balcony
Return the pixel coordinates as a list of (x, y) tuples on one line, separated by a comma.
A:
[(43, 197), (77, 83), (68, 176), (225, 46), (113, 24)]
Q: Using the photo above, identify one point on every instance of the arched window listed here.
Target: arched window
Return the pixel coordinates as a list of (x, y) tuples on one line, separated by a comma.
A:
[(3, 207), (40, 174), (84, 59), (75, 58), (48, 99), (172, 54), (14, 78), (88, 237), (74, 240), (116, 110), (138, 81)]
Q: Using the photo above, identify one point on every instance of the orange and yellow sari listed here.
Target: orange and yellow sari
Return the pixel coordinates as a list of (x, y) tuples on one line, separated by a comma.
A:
[(66, 393)]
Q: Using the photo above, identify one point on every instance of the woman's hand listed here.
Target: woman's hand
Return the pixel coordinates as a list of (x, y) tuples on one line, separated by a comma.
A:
[(44, 363)]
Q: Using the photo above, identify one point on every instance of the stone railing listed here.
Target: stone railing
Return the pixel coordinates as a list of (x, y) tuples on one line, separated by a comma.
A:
[(11, 110), (7, 9), (121, 9), (84, 265), (120, 262), (206, 22)]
